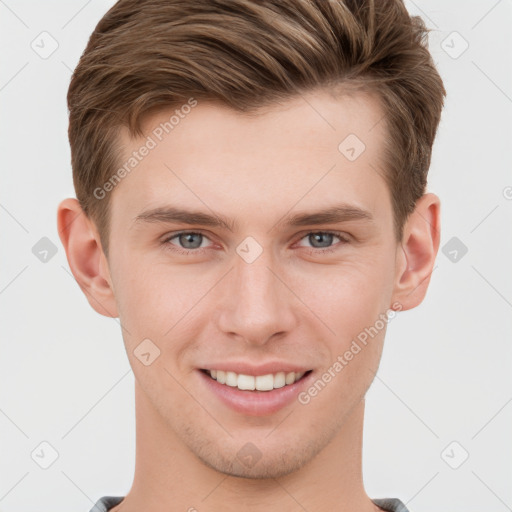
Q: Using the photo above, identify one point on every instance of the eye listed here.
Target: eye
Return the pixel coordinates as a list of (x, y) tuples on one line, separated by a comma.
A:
[(187, 242), (193, 242), (321, 241)]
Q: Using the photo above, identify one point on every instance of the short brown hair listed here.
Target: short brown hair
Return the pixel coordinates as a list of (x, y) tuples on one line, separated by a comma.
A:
[(146, 55)]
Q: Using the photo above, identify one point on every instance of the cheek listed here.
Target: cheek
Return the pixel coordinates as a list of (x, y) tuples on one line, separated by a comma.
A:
[(159, 303), (349, 297), (357, 316), (144, 287), (142, 298)]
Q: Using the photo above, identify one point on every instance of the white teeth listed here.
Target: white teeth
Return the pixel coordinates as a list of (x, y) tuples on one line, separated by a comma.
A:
[(231, 379), (259, 383), (290, 378), (279, 380), (246, 382), (265, 382)]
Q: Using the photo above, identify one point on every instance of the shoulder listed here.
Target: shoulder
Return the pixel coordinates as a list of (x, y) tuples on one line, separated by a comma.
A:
[(106, 503), (390, 505)]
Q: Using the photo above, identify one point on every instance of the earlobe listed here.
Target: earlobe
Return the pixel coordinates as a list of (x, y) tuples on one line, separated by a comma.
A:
[(417, 252), (86, 258)]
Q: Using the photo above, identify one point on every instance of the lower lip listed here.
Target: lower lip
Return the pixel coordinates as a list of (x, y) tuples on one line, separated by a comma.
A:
[(256, 403)]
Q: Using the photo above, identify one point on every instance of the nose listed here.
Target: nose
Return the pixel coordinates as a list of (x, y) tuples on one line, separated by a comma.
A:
[(256, 304)]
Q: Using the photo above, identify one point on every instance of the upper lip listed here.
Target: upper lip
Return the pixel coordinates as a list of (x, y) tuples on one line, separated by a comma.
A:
[(246, 368)]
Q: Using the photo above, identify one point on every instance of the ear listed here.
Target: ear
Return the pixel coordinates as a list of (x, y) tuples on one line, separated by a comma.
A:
[(417, 252), (86, 258)]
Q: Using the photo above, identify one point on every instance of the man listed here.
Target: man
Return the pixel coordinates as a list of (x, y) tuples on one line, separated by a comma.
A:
[(251, 183)]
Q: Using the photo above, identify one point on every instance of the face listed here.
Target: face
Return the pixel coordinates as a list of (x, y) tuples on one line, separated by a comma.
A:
[(255, 246)]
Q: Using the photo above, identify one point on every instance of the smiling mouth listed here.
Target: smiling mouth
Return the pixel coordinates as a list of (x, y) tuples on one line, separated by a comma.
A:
[(267, 382)]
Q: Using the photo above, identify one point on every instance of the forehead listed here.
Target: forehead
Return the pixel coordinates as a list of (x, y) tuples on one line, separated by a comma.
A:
[(310, 149), (319, 120)]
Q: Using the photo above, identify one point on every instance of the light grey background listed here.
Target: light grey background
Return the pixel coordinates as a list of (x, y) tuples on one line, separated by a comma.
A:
[(445, 374)]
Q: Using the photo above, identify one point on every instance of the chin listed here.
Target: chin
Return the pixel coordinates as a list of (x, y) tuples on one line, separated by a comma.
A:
[(275, 460)]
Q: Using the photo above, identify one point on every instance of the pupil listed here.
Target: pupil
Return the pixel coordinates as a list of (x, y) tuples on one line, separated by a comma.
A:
[(325, 237), (188, 237)]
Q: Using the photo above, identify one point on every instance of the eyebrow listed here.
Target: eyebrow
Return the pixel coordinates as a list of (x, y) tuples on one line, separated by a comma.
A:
[(330, 215)]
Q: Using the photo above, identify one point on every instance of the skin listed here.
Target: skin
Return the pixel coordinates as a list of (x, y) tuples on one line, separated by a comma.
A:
[(290, 304)]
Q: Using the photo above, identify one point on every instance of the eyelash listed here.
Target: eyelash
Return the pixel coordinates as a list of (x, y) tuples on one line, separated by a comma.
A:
[(312, 250)]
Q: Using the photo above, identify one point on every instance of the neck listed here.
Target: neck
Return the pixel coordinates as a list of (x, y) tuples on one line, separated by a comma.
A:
[(168, 476)]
